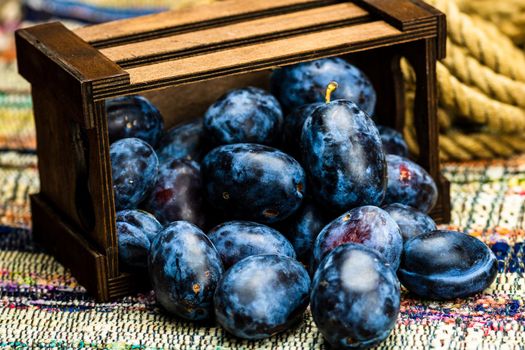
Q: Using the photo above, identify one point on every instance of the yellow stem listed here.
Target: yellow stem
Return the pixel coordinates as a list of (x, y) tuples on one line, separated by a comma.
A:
[(331, 87)]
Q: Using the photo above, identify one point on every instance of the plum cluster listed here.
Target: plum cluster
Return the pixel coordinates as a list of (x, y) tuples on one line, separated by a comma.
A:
[(274, 201)]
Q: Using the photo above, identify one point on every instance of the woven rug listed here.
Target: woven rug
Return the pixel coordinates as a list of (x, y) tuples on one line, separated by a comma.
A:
[(42, 306)]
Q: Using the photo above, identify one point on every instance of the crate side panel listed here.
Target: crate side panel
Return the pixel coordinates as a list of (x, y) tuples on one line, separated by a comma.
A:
[(70, 52), (69, 247), (100, 186), (73, 166), (180, 104), (62, 144)]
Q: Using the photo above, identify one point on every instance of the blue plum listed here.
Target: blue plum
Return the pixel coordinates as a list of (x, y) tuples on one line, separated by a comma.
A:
[(409, 184), (305, 83), (368, 225), (244, 115), (133, 116), (253, 182), (184, 269), (236, 240), (411, 222), (343, 157), (145, 221), (185, 141), (262, 295), (355, 297), (135, 231), (134, 167), (178, 193), (302, 228), (393, 141), (133, 246), (293, 126), (445, 264)]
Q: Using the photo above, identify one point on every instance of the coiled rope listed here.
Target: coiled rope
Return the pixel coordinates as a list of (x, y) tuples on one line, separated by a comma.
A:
[(481, 82)]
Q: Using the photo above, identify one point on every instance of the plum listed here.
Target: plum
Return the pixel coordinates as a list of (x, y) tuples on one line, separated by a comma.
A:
[(145, 221), (178, 193), (133, 246), (134, 167), (236, 240), (305, 83), (135, 231), (444, 264), (409, 184), (411, 222), (253, 182), (244, 115), (343, 157), (355, 297), (185, 269), (393, 141), (367, 225), (262, 295), (302, 228), (133, 116), (292, 129), (185, 141)]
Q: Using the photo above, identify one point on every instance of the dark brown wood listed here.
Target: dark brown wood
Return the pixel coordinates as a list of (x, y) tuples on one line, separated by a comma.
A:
[(62, 239), (382, 66), (173, 58), (52, 54), (72, 141), (422, 55)]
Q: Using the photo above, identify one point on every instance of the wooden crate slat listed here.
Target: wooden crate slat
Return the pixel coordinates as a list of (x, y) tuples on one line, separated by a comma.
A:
[(263, 51), (267, 27), (402, 14), (190, 17), (71, 52)]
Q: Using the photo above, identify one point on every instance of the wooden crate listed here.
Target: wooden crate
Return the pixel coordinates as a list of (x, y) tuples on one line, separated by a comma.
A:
[(183, 60)]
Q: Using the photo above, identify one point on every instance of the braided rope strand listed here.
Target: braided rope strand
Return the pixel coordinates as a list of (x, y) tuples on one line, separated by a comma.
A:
[(504, 59), (471, 72)]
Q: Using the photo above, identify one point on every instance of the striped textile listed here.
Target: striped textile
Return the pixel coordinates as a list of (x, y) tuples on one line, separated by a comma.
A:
[(43, 307)]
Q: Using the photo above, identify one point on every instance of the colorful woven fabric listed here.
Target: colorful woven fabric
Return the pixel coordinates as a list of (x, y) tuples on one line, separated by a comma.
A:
[(42, 306)]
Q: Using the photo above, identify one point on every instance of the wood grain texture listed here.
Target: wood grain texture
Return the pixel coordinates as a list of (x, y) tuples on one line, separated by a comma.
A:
[(188, 18), (178, 104), (237, 33), (246, 55), (403, 14), (64, 242), (53, 54), (72, 140)]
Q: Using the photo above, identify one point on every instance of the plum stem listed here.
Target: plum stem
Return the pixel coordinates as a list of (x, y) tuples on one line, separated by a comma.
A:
[(331, 87)]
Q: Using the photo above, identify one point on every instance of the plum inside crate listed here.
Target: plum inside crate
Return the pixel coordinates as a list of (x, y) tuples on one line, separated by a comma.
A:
[(183, 60)]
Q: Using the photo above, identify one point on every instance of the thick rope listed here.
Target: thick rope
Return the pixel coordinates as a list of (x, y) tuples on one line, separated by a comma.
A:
[(469, 71), (480, 83), (501, 58), (477, 107), (507, 15)]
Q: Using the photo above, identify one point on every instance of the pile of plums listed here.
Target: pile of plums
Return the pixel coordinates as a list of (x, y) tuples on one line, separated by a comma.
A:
[(248, 216)]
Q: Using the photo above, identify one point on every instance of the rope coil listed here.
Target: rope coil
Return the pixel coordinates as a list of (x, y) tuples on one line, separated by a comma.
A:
[(481, 82)]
